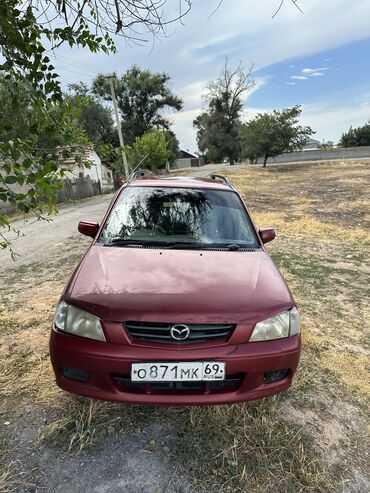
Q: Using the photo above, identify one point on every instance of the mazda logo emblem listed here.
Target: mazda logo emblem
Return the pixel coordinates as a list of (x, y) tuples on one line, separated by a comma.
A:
[(180, 332)]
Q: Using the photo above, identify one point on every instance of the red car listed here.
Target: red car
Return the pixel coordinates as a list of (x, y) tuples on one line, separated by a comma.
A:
[(176, 301)]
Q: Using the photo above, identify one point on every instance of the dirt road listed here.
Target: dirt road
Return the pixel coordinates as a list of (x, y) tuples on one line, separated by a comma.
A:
[(41, 240)]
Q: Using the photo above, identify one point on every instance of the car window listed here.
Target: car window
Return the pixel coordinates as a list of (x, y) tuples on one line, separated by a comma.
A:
[(175, 215)]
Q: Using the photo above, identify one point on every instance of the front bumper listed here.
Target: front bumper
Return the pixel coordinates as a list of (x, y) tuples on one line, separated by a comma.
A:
[(104, 361)]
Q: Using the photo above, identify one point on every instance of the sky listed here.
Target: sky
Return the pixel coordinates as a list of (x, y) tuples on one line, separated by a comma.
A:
[(317, 58)]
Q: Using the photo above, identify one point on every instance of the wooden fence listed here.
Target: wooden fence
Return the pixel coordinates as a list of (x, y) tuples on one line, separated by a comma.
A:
[(79, 188)]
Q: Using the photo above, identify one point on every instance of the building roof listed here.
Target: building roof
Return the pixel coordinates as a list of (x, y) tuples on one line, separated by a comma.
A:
[(312, 141), (186, 155), (80, 152)]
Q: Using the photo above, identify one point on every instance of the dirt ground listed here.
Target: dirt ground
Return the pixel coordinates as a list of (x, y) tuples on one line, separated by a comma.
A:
[(313, 438)]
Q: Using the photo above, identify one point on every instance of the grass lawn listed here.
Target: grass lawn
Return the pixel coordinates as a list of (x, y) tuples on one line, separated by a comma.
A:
[(312, 438)]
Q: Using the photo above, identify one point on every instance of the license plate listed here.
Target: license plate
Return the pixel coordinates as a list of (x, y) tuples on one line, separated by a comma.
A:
[(178, 372)]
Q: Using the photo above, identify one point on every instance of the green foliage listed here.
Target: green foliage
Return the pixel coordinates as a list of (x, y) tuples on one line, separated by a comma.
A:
[(327, 146), (95, 118), (25, 31), (141, 98), (44, 126), (173, 146), (356, 136), (271, 134), (31, 132), (152, 149), (30, 89), (218, 127)]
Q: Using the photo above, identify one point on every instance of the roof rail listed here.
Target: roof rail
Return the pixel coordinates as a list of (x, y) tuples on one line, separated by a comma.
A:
[(223, 178)]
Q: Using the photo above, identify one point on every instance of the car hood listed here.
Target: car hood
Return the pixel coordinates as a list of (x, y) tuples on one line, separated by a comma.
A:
[(187, 286)]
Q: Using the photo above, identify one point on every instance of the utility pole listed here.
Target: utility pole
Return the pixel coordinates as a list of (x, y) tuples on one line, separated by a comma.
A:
[(118, 122)]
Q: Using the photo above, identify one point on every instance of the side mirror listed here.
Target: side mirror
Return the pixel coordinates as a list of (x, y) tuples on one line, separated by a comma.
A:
[(267, 234), (88, 228)]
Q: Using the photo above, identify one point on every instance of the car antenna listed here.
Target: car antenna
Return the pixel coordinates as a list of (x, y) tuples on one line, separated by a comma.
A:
[(135, 171)]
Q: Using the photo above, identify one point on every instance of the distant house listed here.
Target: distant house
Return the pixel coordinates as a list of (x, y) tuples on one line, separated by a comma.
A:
[(186, 159), (312, 145), (96, 170), (79, 181)]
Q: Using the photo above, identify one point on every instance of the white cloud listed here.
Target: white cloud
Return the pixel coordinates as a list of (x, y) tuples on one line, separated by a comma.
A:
[(311, 71), (244, 31), (250, 113), (183, 125), (291, 83), (328, 119)]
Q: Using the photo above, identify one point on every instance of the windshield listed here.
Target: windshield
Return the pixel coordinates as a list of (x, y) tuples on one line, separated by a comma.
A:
[(178, 217)]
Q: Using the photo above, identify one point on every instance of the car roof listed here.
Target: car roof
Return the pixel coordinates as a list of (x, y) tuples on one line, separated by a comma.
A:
[(179, 182)]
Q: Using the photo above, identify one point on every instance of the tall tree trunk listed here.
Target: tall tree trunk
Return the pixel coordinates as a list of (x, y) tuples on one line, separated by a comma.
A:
[(265, 160)]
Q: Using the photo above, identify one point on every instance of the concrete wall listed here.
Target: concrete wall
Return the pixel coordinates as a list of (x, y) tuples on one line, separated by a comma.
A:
[(318, 155), (185, 162), (182, 163)]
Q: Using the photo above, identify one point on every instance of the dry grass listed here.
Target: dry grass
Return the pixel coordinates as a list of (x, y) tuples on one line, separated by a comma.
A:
[(5, 467), (11, 478), (249, 448), (352, 369), (321, 247), (78, 426)]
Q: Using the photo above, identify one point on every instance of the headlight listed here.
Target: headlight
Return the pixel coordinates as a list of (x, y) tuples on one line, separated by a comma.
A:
[(284, 324), (78, 322)]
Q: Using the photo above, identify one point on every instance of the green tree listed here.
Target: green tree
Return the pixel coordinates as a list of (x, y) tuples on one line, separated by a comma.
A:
[(173, 146), (248, 135), (355, 137), (327, 146), (95, 118), (97, 122), (151, 149), (142, 96), (271, 134), (208, 140), (35, 141), (218, 127), (25, 36)]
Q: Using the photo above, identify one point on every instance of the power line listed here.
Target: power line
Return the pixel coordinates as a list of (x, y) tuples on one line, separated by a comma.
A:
[(73, 67), (81, 74), (64, 59)]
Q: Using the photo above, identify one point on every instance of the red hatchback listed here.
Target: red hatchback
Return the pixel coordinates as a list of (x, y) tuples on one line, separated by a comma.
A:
[(176, 301)]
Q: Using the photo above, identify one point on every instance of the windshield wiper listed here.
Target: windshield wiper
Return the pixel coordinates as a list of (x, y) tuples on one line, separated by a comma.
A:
[(122, 241), (204, 246), (163, 244), (173, 244), (233, 246)]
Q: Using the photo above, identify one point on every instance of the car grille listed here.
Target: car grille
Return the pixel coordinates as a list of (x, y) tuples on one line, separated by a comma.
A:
[(160, 332), (232, 382)]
